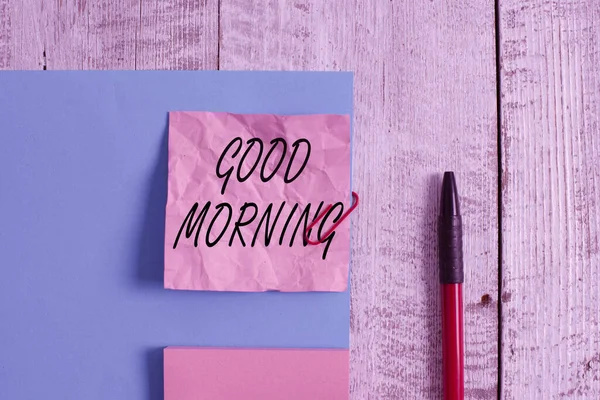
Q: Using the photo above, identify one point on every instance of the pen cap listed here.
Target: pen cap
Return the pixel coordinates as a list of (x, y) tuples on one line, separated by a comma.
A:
[(450, 233)]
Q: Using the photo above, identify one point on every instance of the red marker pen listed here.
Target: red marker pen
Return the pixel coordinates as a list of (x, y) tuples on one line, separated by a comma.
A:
[(451, 280)]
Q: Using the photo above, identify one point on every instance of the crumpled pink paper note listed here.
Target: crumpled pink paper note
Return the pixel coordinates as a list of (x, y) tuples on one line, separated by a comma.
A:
[(242, 189)]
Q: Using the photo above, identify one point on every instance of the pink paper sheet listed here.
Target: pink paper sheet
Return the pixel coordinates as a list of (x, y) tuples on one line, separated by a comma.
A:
[(219, 260), (255, 374)]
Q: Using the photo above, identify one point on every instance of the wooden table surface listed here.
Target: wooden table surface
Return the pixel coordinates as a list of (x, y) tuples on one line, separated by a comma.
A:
[(506, 95)]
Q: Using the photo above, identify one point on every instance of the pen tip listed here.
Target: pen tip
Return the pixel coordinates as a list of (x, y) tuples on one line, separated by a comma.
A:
[(449, 199)]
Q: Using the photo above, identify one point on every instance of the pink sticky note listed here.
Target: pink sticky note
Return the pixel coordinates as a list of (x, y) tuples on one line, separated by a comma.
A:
[(192, 373), (243, 188)]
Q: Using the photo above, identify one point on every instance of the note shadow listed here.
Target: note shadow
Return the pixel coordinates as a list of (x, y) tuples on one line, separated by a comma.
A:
[(154, 365), (430, 275), (150, 260)]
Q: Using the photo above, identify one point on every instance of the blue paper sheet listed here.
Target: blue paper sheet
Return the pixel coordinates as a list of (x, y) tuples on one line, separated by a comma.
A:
[(83, 177)]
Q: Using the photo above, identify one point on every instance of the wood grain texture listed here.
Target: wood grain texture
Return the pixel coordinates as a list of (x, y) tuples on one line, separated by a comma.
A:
[(5, 34), (178, 34), (425, 102), (550, 79), (124, 34)]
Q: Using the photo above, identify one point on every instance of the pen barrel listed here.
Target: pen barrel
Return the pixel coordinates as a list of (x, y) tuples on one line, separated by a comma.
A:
[(452, 342), (450, 249)]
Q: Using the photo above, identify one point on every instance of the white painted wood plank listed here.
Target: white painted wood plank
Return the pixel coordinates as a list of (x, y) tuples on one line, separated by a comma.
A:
[(21, 45), (178, 34), (550, 54), (124, 34), (425, 102), (424, 84), (6, 33), (74, 35)]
